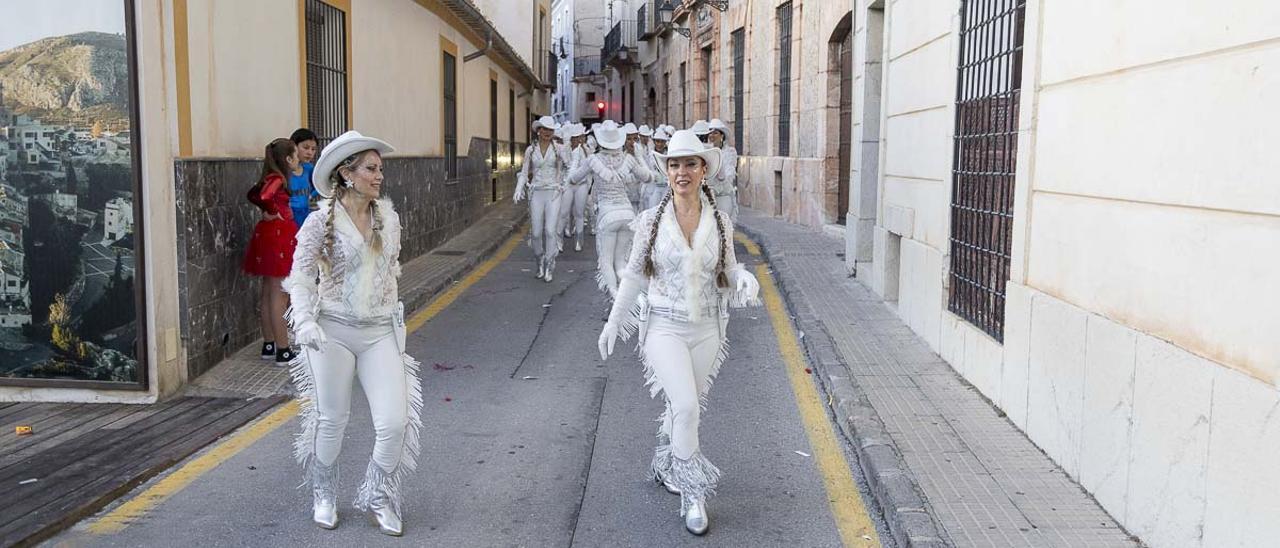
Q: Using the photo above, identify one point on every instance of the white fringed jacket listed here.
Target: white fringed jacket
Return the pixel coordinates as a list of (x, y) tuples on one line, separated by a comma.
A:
[(356, 285), (544, 171), (683, 286)]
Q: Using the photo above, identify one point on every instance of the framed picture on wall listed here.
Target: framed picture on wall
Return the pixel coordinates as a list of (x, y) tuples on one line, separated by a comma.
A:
[(71, 284)]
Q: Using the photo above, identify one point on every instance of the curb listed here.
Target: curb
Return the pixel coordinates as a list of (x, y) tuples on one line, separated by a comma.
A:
[(422, 295), (894, 489)]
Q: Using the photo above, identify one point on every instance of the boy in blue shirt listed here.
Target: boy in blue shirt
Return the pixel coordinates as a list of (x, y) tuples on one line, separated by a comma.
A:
[(301, 193)]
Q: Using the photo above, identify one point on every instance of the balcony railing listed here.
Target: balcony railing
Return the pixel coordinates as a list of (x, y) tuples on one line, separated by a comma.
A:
[(586, 66), (620, 44), (642, 23), (648, 20)]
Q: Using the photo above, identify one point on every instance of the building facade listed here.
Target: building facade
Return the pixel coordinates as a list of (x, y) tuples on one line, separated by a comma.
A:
[(453, 84), (1062, 201), (1058, 200), (578, 30)]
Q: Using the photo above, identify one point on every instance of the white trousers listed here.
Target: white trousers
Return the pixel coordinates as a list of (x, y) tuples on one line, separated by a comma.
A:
[(613, 248), (573, 209), (370, 354), (682, 357), (728, 203), (545, 213), (654, 194)]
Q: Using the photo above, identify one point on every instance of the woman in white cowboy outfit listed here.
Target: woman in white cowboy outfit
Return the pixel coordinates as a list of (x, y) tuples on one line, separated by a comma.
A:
[(725, 182), (658, 183), (573, 204), (351, 325), (683, 261), (613, 170), (630, 147), (542, 176)]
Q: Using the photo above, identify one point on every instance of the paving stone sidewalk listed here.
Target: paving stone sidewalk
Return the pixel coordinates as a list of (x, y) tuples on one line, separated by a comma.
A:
[(245, 374), (944, 464)]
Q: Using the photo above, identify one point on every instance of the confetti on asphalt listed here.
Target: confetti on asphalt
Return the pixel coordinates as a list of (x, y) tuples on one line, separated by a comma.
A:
[(809, 371), (803, 454), (447, 398), (528, 378), (28, 481)]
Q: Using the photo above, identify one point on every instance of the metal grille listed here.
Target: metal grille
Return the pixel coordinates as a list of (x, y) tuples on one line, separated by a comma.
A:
[(326, 39), (706, 82), (986, 141), (511, 128), (684, 96), (450, 117), (784, 80), (493, 124), (739, 70)]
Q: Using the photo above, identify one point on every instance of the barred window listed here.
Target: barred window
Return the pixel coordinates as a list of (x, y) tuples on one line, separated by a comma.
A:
[(985, 159), (450, 115), (326, 45), (739, 71), (511, 127), (784, 79)]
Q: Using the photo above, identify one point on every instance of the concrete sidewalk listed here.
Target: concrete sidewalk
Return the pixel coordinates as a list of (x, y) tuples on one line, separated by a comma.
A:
[(422, 278), (944, 464)]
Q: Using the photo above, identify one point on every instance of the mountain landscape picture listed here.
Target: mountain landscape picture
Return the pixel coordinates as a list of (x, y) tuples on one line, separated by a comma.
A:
[(67, 249)]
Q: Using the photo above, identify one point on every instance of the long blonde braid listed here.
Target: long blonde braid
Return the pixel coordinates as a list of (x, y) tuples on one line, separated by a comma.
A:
[(653, 236), (722, 279)]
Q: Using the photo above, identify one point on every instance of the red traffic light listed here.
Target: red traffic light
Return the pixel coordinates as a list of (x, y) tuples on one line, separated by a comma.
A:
[(599, 105)]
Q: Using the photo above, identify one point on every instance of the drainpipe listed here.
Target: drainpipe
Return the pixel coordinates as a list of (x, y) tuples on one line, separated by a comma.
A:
[(488, 43)]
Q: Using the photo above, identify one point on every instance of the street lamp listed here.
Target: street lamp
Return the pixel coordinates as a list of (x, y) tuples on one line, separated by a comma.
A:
[(665, 11)]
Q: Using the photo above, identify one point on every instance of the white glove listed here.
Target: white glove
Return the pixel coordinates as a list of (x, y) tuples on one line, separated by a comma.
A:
[(519, 194), (608, 336), (310, 334)]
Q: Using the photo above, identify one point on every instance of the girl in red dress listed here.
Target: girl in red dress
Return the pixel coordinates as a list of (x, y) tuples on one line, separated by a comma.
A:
[(270, 252)]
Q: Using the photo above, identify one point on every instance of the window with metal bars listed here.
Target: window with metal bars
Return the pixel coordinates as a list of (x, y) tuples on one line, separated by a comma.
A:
[(326, 44), (511, 127), (706, 81), (684, 97), (450, 115), (784, 79), (985, 159), (493, 124), (739, 71)]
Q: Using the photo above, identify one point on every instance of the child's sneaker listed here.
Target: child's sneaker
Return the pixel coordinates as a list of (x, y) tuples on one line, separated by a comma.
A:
[(268, 351)]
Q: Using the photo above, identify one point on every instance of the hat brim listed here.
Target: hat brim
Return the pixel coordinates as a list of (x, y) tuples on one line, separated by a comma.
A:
[(612, 144), (710, 156), (335, 153)]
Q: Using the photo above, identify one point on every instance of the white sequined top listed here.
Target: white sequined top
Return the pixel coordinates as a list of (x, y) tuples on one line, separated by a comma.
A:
[(356, 283)]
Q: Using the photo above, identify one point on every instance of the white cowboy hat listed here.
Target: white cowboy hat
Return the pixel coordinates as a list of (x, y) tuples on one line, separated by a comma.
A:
[(646, 131), (339, 149), (717, 124), (700, 128), (595, 126), (547, 122), (685, 143), (610, 136), (630, 129), (573, 130), (671, 130), (661, 134)]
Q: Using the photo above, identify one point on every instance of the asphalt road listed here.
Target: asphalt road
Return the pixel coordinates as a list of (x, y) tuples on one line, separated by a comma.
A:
[(530, 440)]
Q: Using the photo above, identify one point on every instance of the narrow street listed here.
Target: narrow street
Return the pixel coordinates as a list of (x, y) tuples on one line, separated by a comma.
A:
[(531, 440)]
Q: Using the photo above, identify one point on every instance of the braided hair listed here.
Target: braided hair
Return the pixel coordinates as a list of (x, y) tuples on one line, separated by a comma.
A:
[(339, 191)]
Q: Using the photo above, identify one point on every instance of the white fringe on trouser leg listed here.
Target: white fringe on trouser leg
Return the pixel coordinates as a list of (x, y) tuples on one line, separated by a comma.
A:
[(681, 360), (390, 382)]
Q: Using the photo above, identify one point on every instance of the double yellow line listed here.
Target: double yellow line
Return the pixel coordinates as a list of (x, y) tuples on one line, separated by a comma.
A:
[(138, 507)]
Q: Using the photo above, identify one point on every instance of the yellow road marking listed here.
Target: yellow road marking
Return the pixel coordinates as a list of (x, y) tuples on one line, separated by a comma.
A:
[(751, 246), (120, 518), (130, 511), (445, 299), (850, 515)]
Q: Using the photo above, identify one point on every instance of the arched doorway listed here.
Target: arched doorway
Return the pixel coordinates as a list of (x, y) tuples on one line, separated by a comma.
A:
[(841, 68)]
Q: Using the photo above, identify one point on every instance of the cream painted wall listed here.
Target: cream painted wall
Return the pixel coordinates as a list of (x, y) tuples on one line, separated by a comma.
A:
[(514, 21), (1139, 350), (245, 82)]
